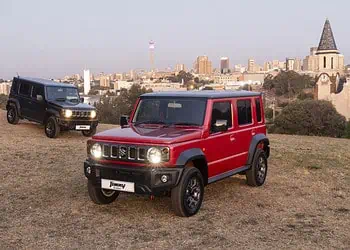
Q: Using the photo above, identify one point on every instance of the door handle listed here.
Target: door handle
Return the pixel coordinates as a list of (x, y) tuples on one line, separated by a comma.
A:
[(232, 138), (253, 132)]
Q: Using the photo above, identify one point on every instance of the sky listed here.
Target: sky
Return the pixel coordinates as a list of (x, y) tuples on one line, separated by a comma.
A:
[(54, 38)]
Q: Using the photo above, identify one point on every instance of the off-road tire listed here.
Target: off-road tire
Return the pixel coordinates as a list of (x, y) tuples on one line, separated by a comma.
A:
[(12, 115), (256, 175), (97, 196), (179, 198), (89, 133), (52, 129)]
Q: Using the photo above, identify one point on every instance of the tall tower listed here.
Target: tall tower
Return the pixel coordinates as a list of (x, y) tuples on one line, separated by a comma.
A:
[(86, 81), (151, 54)]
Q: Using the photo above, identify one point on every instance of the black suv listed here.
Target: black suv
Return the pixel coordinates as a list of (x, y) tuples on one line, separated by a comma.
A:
[(57, 106)]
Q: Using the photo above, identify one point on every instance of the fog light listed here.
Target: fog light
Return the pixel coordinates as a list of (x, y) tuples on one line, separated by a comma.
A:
[(88, 170), (164, 178)]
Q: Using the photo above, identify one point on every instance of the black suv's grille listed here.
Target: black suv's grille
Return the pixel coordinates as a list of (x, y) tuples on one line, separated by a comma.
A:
[(77, 113)]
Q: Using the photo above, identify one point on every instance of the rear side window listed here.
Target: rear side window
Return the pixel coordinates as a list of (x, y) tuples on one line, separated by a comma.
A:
[(258, 109), (14, 88), (222, 111), (244, 110), (24, 89), (37, 90)]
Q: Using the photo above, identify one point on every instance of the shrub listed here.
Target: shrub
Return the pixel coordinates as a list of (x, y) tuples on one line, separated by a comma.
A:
[(310, 117), (3, 101), (269, 113), (347, 130), (305, 96)]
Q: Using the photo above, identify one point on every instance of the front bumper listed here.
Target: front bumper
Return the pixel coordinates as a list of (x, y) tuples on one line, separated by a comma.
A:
[(71, 124), (147, 179)]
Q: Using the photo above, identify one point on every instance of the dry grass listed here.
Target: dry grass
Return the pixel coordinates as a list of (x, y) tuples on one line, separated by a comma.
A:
[(305, 203)]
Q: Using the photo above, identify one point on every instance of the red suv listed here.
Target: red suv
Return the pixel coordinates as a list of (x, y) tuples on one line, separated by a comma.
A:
[(176, 143)]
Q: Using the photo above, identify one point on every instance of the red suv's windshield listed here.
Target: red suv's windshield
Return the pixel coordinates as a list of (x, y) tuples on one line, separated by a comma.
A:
[(170, 111)]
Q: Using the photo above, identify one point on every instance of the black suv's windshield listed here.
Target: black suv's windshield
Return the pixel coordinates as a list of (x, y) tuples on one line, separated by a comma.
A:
[(170, 111), (62, 94)]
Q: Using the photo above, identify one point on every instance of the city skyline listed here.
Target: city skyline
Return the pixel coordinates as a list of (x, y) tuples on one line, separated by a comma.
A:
[(66, 44)]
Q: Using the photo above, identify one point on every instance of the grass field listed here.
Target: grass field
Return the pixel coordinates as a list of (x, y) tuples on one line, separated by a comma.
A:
[(305, 203)]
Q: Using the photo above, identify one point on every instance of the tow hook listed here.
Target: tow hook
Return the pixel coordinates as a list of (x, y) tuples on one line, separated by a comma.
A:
[(151, 197)]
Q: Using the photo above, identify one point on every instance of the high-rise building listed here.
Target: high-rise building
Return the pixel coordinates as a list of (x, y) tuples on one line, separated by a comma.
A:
[(267, 66), (151, 46), (298, 64), (203, 66), (290, 64), (251, 65), (180, 67), (87, 85), (105, 81), (224, 65), (5, 88)]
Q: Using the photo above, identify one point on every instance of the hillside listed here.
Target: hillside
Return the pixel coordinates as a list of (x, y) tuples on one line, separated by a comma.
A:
[(305, 203)]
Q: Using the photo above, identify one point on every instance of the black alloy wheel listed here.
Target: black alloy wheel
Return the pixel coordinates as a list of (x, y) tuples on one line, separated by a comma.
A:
[(256, 175), (12, 116), (187, 196), (101, 196), (90, 132), (52, 129)]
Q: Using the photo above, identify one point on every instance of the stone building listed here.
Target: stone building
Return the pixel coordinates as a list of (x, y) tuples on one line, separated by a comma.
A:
[(331, 84)]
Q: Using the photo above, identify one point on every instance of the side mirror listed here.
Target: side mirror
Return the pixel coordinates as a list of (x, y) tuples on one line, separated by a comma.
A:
[(39, 98), (124, 120), (220, 126), (81, 99)]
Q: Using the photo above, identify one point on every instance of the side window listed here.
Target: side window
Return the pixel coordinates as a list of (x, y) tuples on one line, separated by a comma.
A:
[(244, 110), (24, 89), (14, 88), (38, 90), (258, 109), (221, 111)]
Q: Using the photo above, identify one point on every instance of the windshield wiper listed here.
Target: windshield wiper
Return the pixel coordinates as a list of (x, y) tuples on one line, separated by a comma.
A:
[(148, 122), (185, 124), (60, 99)]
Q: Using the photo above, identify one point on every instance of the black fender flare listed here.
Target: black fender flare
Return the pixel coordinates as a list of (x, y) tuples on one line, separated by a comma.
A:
[(14, 102), (189, 155), (51, 112), (254, 143), (192, 155)]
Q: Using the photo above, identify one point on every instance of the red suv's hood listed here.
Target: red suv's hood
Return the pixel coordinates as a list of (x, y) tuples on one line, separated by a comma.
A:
[(150, 134)]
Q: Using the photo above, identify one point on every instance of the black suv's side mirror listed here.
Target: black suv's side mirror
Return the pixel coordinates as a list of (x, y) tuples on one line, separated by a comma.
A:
[(39, 98), (219, 126), (124, 120), (81, 99)]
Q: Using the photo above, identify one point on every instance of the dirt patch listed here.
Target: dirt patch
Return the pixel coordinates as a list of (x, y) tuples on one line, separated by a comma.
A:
[(44, 204)]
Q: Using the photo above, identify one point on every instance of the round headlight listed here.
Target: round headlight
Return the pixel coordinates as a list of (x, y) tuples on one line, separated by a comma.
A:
[(68, 113), (154, 155), (96, 150), (93, 114)]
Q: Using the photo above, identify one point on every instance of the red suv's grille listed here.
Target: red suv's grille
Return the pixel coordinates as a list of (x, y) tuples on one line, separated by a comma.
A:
[(123, 152)]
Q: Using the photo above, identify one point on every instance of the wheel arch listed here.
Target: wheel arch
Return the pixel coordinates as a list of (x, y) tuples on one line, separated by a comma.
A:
[(259, 140), (49, 113), (194, 157), (12, 102)]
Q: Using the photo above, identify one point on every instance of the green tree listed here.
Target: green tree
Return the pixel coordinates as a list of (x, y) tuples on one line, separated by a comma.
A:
[(185, 76), (310, 117), (288, 83), (111, 108)]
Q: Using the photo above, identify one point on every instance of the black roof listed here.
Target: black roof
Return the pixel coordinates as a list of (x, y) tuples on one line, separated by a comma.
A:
[(209, 94), (327, 41), (45, 82)]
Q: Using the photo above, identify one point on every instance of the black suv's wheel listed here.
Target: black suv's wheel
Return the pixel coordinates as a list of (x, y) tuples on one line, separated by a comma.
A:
[(52, 129), (256, 175), (187, 196), (101, 196), (90, 132), (12, 115)]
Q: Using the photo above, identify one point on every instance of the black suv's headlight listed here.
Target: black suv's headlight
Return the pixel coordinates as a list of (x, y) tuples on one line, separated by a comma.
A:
[(93, 114)]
